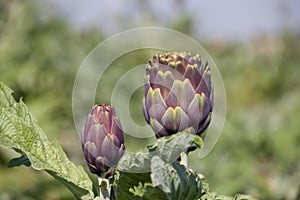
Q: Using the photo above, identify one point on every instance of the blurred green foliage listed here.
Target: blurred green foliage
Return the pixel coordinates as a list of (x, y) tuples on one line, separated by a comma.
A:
[(258, 152)]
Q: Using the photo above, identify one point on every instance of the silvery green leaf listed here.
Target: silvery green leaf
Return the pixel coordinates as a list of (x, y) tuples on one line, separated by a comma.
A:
[(20, 131), (136, 186), (175, 180), (167, 148)]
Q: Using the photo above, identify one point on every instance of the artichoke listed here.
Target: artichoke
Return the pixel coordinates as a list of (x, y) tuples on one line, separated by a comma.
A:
[(178, 94), (102, 139)]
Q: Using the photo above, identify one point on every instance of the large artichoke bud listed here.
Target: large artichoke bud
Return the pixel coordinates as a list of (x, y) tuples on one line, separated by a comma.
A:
[(178, 94), (102, 139)]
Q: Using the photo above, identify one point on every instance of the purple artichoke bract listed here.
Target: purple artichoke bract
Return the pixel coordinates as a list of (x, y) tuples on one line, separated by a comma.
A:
[(102, 139), (178, 94)]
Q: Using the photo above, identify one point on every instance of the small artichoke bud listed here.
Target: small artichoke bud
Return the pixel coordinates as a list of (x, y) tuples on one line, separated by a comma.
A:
[(102, 139), (178, 94)]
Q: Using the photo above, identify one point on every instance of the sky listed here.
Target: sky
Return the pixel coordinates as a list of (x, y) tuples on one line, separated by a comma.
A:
[(230, 19)]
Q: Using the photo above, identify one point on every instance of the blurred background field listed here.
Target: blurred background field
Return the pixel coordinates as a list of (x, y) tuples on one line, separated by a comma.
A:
[(42, 44)]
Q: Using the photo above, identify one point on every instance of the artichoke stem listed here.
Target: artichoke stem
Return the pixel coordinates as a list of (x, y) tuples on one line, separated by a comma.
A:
[(184, 159), (104, 188)]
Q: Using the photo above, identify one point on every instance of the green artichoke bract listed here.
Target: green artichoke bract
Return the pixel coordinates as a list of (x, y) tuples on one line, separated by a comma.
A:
[(102, 139), (178, 94)]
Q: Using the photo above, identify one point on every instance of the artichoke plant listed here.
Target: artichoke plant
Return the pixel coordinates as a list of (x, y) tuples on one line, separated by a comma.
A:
[(102, 139), (178, 94)]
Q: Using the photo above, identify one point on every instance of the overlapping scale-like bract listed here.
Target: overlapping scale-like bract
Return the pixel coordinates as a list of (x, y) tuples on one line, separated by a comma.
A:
[(178, 94), (102, 139)]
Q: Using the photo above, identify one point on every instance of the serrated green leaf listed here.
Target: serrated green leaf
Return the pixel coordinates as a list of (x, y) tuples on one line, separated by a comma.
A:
[(125, 182), (16, 162), (133, 180), (136, 186), (167, 148), (165, 182), (175, 180), (160, 175), (19, 131)]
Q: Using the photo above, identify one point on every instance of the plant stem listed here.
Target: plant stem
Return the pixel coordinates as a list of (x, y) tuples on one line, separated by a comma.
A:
[(184, 159), (104, 188)]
